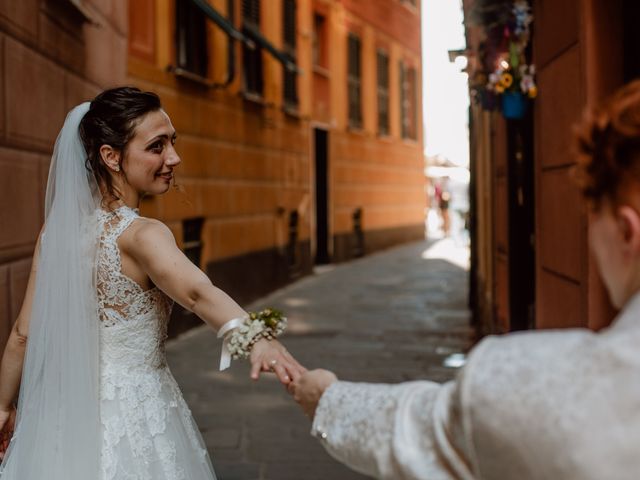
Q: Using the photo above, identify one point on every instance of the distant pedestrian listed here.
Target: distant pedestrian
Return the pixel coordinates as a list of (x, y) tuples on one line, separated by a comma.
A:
[(445, 200), (536, 405), (442, 197)]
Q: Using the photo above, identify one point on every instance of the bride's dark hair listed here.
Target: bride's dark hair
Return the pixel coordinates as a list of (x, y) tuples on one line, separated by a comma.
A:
[(111, 120)]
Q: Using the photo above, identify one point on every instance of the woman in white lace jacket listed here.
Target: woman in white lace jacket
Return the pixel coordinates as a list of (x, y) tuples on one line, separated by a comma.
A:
[(539, 405), (97, 399)]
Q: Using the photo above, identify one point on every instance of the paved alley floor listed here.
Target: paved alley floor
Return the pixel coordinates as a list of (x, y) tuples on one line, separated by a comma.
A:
[(390, 317)]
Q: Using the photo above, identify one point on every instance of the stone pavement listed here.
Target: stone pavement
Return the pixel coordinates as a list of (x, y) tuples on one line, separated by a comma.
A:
[(390, 317)]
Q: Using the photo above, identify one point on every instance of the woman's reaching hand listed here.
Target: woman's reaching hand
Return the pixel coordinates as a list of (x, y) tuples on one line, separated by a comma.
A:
[(271, 356), (7, 425), (308, 389)]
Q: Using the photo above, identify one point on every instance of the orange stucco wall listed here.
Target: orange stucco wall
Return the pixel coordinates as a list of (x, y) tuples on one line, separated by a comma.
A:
[(246, 166)]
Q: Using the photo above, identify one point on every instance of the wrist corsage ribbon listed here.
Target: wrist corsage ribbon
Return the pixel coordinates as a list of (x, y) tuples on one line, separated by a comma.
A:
[(240, 334)]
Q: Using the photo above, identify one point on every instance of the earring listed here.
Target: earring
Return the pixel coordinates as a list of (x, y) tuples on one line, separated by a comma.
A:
[(117, 168)]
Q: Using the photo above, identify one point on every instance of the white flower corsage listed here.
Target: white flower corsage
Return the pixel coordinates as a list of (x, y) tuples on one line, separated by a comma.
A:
[(238, 342)]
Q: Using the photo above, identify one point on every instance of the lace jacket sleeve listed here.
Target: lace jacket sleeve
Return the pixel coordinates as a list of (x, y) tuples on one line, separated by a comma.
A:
[(406, 431)]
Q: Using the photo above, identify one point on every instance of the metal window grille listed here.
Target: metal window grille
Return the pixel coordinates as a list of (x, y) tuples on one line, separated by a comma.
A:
[(408, 99), (412, 95), (252, 58), (191, 38), (192, 238), (289, 37), (404, 116), (354, 82), (383, 92), (251, 11)]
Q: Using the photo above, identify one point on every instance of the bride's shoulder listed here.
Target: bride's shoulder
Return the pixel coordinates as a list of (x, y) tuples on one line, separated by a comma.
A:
[(146, 233)]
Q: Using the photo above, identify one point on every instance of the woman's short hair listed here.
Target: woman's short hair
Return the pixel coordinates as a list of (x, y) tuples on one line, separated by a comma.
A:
[(608, 147), (111, 120)]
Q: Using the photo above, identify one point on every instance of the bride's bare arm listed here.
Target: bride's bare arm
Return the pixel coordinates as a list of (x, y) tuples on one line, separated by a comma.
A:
[(13, 358), (153, 246)]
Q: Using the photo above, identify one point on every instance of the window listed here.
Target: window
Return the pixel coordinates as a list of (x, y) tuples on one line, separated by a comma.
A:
[(251, 58), (408, 101), (383, 92), (319, 47), (289, 42), (191, 38), (354, 82)]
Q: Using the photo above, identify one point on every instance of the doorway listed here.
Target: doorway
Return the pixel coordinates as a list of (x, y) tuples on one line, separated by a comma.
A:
[(630, 19), (522, 271), (320, 142)]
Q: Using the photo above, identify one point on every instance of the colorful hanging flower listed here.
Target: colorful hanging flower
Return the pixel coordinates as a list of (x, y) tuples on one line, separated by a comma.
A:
[(506, 80), (513, 74)]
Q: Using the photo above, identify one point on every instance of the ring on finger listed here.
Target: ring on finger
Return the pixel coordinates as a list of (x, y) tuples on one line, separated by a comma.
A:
[(272, 364)]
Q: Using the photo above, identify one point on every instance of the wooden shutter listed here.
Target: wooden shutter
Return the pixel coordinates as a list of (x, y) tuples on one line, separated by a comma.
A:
[(289, 41), (354, 87), (383, 92), (252, 58)]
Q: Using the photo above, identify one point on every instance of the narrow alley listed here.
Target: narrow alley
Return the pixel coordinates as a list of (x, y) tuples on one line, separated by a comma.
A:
[(393, 316)]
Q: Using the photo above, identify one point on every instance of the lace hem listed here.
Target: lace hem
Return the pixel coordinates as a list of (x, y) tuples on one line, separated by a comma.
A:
[(148, 428)]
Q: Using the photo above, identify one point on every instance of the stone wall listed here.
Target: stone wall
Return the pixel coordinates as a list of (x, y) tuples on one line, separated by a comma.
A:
[(52, 57)]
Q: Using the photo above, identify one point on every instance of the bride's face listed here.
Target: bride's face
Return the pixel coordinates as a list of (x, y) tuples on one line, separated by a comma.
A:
[(150, 155)]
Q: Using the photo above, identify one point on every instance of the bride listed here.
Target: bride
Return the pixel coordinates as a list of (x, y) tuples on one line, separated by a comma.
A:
[(97, 399)]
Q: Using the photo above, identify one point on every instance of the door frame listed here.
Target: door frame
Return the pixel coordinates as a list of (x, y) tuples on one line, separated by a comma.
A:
[(313, 126)]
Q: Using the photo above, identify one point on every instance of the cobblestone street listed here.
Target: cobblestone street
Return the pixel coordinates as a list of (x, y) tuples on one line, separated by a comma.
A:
[(389, 317)]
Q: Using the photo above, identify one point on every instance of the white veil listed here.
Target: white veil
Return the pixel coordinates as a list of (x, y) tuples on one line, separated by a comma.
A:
[(57, 434)]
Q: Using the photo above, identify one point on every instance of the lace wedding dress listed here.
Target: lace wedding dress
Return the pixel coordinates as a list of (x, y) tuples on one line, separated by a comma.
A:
[(148, 432)]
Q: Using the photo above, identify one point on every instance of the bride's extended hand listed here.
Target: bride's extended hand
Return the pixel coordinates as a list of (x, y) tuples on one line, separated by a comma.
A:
[(7, 424), (271, 356)]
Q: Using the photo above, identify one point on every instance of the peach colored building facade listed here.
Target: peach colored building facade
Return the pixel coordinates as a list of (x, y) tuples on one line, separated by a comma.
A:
[(282, 185), (276, 175)]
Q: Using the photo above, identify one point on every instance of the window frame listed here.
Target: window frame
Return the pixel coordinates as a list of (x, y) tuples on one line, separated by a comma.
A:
[(408, 101), (289, 47), (319, 46), (252, 61), (383, 92), (354, 81), (191, 40)]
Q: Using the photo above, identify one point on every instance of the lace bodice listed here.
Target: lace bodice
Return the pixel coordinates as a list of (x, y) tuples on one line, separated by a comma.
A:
[(148, 431), (119, 297), (134, 321)]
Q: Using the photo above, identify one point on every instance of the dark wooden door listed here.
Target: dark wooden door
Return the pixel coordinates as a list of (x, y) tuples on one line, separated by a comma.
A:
[(322, 195)]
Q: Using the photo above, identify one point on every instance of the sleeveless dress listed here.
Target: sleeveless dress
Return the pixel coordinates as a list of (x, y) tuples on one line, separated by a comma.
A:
[(148, 432)]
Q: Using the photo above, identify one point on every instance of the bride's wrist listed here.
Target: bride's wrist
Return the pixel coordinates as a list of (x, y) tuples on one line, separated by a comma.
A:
[(267, 324), (240, 340)]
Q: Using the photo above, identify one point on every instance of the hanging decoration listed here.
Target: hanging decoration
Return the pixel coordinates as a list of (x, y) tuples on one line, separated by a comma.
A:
[(505, 81)]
